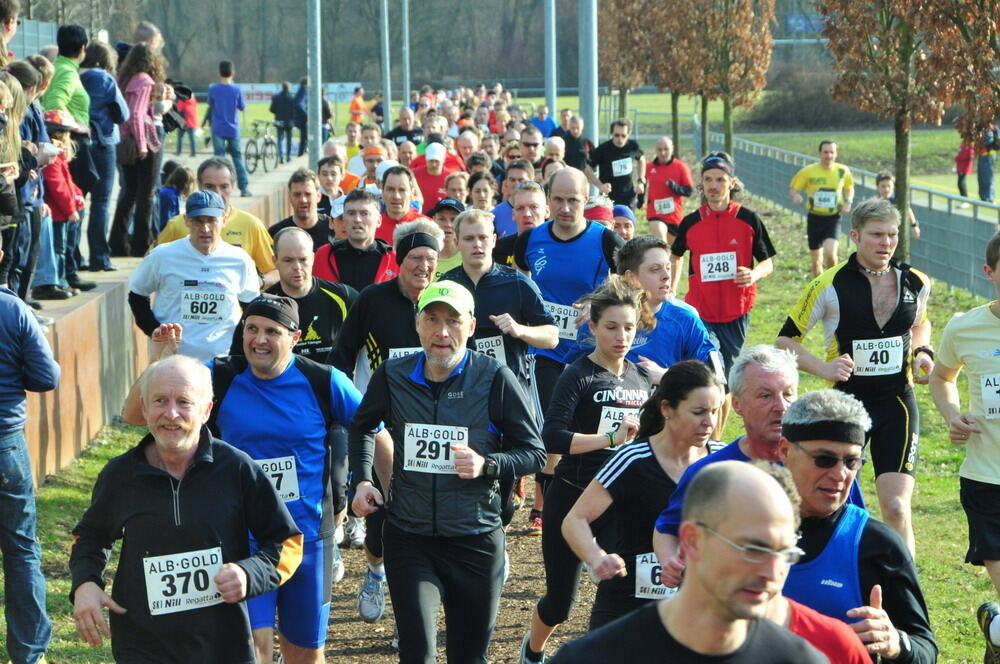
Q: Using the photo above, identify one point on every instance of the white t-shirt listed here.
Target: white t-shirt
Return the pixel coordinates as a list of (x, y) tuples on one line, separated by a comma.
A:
[(201, 292), (971, 341), (356, 165)]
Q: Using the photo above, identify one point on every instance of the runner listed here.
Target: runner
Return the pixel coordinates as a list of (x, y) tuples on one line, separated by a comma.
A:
[(242, 229), (725, 239), (444, 214), (594, 409), (518, 171), (567, 258), (969, 342), (675, 427), (304, 195), (623, 222), (360, 259), (198, 283), (829, 187), (616, 160), (530, 209), (179, 498), (669, 183), (398, 191), (459, 424), (873, 310)]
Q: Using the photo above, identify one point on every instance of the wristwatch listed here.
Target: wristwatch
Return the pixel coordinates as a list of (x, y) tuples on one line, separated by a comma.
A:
[(491, 469), (905, 647)]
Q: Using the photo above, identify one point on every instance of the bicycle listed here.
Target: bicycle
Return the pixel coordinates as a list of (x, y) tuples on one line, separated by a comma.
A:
[(261, 147)]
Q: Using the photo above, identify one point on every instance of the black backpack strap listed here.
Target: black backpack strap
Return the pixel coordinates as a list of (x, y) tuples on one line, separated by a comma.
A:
[(319, 377), (224, 372)]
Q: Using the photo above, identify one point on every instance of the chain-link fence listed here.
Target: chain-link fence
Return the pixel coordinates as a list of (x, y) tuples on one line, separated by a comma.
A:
[(954, 230)]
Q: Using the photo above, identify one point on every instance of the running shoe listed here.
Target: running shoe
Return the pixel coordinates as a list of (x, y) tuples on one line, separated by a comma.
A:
[(371, 597), (984, 616), (355, 532), (337, 568), (394, 644), (535, 523), (523, 654)]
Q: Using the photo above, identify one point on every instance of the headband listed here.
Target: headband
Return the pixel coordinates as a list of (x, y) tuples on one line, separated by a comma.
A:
[(412, 241), (832, 430), (282, 310), (374, 150), (721, 163)]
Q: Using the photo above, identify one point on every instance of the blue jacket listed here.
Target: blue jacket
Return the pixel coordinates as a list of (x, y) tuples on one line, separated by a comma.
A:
[(26, 361), (107, 105), (33, 129)]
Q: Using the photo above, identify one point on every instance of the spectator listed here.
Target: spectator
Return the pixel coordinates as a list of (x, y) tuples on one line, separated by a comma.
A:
[(283, 110), (302, 115), (188, 108), (107, 110), (225, 101), (142, 69), (179, 184), (963, 168)]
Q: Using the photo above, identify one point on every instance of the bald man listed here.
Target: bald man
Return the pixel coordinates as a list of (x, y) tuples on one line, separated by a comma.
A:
[(739, 537)]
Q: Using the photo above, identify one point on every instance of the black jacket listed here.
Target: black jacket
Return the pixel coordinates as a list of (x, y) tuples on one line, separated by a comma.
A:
[(223, 496), (481, 395)]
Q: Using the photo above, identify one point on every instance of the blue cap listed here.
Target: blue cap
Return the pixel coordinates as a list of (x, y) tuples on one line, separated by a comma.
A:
[(623, 211), (204, 203)]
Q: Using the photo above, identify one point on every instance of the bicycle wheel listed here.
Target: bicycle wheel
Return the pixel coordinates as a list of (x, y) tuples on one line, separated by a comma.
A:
[(251, 155), (270, 155)]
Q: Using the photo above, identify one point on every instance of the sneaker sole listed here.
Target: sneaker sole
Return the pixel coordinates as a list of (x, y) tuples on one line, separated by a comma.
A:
[(984, 618)]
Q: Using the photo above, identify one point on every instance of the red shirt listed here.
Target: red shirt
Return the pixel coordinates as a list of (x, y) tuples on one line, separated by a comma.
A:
[(61, 193), (963, 160), (719, 243), (431, 186), (662, 203), (389, 224), (828, 635)]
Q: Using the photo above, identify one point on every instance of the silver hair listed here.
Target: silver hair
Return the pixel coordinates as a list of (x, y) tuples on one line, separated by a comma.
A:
[(202, 376), (418, 226), (769, 359), (830, 406), (555, 140), (873, 209)]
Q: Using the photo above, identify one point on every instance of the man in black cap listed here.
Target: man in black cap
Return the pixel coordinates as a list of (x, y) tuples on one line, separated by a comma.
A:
[(443, 214)]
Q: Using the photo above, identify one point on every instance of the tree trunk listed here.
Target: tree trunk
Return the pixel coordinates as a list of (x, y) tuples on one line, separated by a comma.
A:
[(704, 127), (903, 185), (623, 102), (675, 120), (727, 122)]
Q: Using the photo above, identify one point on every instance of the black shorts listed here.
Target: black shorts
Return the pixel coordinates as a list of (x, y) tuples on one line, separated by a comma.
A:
[(893, 439), (981, 502), (729, 337), (821, 227)]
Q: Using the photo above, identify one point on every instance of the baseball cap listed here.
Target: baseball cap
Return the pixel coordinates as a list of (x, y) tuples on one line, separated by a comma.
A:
[(454, 294), (446, 203), (204, 203), (435, 152), (59, 120), (623, 211)]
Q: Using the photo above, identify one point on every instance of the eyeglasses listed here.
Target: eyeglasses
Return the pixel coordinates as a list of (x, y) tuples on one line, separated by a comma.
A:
[(759, 554), (530, 145), (827, 461)]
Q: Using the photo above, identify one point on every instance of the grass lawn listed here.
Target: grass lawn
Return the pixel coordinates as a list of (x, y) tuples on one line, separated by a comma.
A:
[(953, 589)]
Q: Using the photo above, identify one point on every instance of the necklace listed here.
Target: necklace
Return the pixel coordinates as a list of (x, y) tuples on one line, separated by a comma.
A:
[(876, 273)]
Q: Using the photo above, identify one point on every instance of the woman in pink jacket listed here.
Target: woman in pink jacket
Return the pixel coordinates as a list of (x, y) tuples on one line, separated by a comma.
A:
[(142, 70)]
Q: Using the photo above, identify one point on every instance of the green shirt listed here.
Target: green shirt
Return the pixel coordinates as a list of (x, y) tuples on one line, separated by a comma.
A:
[(66, 91)]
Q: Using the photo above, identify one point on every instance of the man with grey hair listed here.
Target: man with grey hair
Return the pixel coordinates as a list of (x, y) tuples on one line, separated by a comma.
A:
[(555, 148), (854, 568), (460, 426), (180, 500), (738, 535), (873, 310)]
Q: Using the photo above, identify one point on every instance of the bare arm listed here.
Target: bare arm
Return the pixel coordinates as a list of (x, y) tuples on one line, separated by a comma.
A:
[(944, 391), (676, 264), (537, 336), (838, 370), (594, 501), (667, 549), (383, 458), (923, 365)]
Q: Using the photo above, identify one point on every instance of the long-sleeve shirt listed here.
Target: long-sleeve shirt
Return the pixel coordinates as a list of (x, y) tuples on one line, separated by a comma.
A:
[(138, 95), (66, 91), (107, 105), (26, 362), (61, 193)]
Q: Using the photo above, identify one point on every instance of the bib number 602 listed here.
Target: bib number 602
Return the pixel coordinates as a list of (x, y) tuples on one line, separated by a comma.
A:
[(203, 307)]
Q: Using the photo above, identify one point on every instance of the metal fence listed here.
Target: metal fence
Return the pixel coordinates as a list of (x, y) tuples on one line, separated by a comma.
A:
[(954, 230), (31, 37)]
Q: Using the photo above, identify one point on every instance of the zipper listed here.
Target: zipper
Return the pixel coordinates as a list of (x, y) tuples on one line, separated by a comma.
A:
[(434, 504), (175, 488)]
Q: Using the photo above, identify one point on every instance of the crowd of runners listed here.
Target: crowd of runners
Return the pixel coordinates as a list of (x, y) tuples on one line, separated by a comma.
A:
[(462, 325)]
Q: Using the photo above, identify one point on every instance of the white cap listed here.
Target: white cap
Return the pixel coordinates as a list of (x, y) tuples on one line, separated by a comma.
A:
[(435, 152), (383, 167), (337, 206)]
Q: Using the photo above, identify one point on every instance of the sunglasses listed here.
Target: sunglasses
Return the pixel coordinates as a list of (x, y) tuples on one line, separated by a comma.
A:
[(530, 145), (827, 461)]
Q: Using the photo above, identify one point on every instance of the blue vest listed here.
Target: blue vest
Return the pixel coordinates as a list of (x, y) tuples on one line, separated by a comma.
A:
[(565, 272), (830, 583)]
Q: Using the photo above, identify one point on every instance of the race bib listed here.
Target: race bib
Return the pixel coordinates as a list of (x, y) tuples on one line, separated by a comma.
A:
[(621, 167), (204, 305), (718, 267), (647, 578), (182, 581), (565, 318), (282, 473), (989, 386), (427, 447), (403, 352), (611, 418), (664, 205), (878, 357), (492, 346), (825, 198)]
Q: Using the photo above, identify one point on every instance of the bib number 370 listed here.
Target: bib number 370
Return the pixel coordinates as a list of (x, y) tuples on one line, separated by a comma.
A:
[(182, 581)]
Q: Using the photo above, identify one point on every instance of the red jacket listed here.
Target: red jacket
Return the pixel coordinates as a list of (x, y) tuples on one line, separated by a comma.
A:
[(326, 266), (61, 193), (189, 109)]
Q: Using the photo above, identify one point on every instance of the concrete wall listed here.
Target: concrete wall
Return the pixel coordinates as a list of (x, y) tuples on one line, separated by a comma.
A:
[(101, 352)]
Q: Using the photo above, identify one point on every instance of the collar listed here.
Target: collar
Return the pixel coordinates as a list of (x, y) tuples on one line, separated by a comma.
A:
[(202, 454), (853, 264), (417, 375), (67, 62)]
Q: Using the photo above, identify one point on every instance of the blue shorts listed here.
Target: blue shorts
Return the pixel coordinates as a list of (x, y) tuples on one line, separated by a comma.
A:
[(302, 603)]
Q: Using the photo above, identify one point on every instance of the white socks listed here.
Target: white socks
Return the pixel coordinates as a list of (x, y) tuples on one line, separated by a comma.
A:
[(995, 630), (379, 571)]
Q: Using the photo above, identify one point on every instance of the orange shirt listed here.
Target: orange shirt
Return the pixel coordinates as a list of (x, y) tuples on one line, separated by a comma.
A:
[(357, 108)]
